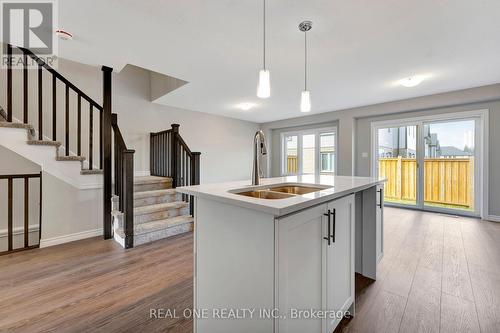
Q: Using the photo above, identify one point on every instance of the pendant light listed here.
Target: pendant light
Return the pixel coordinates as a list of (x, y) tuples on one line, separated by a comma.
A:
[(305, 98), (264, 86)]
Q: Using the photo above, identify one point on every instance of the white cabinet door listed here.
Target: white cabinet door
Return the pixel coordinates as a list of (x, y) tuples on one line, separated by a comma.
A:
[(340, 260), (300, 261)]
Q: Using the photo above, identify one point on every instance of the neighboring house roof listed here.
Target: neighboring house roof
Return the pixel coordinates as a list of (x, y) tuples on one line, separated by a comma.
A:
[(453, 151)]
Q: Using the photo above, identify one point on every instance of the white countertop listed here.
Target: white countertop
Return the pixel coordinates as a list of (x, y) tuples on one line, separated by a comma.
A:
[(341, 186)]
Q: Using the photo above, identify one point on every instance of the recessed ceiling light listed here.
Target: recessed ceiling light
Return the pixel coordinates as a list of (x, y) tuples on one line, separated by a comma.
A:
[(246, 106), (412, 81)]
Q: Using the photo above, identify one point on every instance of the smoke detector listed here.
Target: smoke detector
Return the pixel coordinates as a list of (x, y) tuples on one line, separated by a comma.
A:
[(64, 35)]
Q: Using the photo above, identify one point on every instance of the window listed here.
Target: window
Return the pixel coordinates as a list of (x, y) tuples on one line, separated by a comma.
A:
[(291, 155), (309, 152), (327, 152), (327, 162)]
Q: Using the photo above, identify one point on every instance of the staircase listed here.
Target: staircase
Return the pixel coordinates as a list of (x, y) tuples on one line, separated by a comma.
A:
[(32, 140), (135, 210), (159, 211), (149, 208)]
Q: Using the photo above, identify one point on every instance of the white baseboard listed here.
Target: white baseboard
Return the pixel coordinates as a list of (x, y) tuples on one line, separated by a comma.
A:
[(18, 230), (70, 238), (493, 218)]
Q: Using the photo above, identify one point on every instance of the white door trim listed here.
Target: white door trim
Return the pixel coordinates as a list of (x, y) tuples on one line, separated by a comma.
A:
[(482, 114)]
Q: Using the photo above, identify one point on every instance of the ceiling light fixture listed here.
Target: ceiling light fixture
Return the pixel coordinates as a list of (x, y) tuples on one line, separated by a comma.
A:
[(246, 106), (64, 34), (305, 98), (412, 81), (264, 86)]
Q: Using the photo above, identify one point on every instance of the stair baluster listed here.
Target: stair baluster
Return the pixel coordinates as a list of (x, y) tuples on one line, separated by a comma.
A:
[(171, 157), (9, 83)]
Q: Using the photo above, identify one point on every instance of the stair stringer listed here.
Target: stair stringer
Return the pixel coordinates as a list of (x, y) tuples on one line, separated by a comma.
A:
[(15, 139)]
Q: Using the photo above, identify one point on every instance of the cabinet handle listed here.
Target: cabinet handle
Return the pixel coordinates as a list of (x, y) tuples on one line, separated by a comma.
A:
[(333, 225), (380, 197), (328, 238)]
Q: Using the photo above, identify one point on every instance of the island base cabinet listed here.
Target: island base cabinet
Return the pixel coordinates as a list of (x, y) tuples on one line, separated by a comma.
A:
[(315, 267), (370, 231), (339, 285)]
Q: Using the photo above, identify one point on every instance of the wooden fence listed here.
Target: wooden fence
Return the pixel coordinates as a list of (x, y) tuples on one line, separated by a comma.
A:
[(446, 181), (292, 165)]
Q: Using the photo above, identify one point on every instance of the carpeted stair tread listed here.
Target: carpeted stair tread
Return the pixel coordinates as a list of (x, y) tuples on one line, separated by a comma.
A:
[(91, 172), (151, 180), (153, 226), (159, 207), (154, 193), (15, 125), (44, 143), (70, 158)]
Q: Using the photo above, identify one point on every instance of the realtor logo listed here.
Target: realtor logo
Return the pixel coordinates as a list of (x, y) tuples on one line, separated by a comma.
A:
[(31, 25)]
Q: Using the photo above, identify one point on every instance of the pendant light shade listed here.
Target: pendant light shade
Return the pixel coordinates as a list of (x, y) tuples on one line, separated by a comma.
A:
[(305, 98), (305, 101), (264, 85)]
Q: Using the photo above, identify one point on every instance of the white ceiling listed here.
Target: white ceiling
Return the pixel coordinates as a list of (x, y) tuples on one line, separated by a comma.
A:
[(357, 48)]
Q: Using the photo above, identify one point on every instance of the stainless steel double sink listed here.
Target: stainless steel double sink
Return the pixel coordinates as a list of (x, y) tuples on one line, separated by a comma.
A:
[(280, 191)]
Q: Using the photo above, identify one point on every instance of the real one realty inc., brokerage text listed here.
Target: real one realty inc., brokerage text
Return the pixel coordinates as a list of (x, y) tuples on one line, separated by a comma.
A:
[(247, 313)]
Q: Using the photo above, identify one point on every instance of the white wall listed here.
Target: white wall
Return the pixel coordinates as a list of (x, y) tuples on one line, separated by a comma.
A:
[(67, 214), (225, 143)]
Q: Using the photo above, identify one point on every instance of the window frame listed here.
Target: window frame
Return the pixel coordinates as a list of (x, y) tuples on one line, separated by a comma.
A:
[(317, 165)]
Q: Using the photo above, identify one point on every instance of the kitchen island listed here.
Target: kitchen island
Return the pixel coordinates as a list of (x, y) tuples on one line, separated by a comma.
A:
[(281, 256)]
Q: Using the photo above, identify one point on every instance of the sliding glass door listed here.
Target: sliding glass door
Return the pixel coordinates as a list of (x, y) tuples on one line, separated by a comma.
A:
[(449, 164), (431, 165), (397, 161)]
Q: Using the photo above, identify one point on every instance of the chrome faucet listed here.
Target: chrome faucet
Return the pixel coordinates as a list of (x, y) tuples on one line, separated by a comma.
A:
[(259, 148)]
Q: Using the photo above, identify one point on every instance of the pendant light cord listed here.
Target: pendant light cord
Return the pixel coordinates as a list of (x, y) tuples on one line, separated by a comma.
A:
[(264, 36), (305, 60)]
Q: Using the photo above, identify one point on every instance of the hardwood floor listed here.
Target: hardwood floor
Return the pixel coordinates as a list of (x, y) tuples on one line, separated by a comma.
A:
[(95, 286), (439, 274)]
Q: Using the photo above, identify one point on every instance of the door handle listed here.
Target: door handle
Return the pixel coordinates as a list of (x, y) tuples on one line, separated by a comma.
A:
[(329, 230), (380, 197), (333, 225)]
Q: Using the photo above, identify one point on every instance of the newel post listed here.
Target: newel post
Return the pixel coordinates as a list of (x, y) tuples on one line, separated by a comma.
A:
[(106, 149), (195, 169), (195, 177), (128, 200), (175, 152)]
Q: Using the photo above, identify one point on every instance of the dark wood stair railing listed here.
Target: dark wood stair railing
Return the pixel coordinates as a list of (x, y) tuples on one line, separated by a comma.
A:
[(26, 215), (124, 181), (171, 157), (102, 130), (70, 90)]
